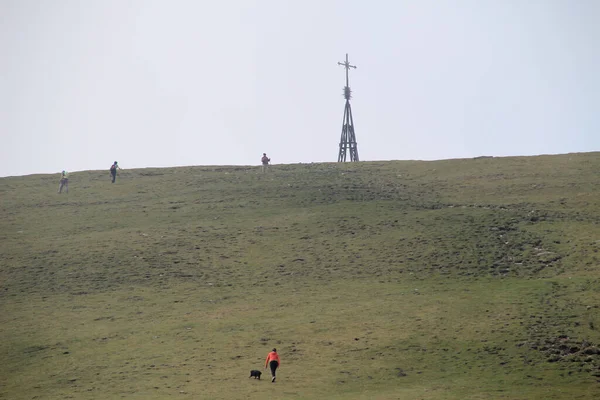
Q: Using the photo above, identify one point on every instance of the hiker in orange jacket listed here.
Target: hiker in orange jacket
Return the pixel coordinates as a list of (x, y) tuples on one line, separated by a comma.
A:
[(273, 362)]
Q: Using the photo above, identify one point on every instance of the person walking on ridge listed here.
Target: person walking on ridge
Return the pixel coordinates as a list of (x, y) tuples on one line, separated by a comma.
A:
[(113, 171), (265, 162), (273, 362), (64, 182)]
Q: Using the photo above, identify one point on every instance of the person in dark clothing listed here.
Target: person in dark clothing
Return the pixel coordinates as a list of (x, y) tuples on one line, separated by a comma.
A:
[(265, 162), (272, 362), (113, 171)]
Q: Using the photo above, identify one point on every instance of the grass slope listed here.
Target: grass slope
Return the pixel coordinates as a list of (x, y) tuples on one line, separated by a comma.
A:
[(457, 279)]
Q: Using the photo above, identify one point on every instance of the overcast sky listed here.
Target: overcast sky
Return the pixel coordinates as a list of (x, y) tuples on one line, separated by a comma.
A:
[(192, 82)]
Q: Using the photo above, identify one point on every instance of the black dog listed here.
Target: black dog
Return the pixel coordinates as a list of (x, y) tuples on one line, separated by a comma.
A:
[(255, 373)]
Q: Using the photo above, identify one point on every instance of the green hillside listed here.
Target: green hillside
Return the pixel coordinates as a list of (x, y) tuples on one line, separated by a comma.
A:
[(457, 279)]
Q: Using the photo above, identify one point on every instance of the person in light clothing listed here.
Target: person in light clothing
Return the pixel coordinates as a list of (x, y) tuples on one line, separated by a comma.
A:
[(64, 182), (113, 171)]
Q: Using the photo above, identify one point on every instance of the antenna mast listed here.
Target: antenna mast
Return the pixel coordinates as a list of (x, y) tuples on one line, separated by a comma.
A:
[(348, 138)]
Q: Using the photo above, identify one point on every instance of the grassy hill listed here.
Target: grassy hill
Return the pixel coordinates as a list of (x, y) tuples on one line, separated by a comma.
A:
[(458, 279)]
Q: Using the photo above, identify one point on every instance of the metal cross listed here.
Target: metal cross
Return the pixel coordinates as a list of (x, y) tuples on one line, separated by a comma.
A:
[(347, 66)]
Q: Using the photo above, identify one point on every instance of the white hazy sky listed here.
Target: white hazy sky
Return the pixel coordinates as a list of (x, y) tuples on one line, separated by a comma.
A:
[(192, 82)]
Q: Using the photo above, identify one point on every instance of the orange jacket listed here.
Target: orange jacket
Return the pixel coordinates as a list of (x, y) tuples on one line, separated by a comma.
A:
[(272, 356)]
